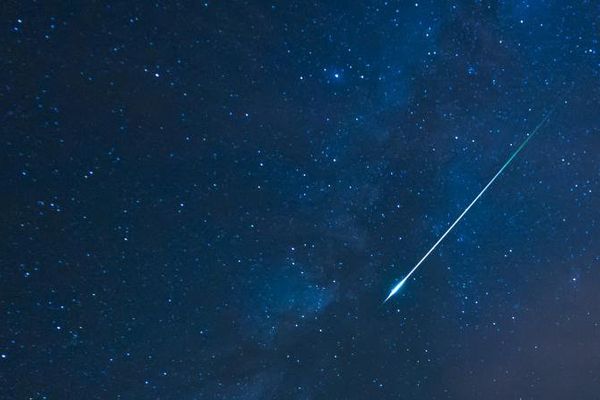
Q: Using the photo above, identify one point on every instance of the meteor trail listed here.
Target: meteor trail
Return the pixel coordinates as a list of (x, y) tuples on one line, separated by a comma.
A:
[(412, 271)]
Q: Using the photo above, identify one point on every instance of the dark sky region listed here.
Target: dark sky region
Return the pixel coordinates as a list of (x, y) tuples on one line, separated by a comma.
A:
[(210, 200)]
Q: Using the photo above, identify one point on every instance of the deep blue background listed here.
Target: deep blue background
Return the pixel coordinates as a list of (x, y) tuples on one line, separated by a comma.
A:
[(211, 200)]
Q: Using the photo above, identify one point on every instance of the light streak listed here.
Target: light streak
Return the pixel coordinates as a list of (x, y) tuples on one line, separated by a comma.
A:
[(412, 271)]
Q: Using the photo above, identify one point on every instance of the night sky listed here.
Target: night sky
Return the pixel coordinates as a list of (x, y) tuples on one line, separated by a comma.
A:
[(211, 200)]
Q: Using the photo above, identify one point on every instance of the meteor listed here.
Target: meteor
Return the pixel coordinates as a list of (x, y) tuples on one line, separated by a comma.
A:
[(412, 271)]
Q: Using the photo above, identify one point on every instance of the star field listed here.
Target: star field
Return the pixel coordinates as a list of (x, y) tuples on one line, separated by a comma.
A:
[(211, 200)]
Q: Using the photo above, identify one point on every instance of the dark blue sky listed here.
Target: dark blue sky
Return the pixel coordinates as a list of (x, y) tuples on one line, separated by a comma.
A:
[(211, 200)]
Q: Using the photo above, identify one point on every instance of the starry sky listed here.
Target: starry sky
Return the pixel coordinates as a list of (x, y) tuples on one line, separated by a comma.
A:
[(210, 200)]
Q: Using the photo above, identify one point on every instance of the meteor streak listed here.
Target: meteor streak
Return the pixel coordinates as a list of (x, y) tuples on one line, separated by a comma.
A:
[(412, 271)]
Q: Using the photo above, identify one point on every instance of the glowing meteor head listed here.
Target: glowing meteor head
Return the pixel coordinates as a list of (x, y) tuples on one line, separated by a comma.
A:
[(395, 289)]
